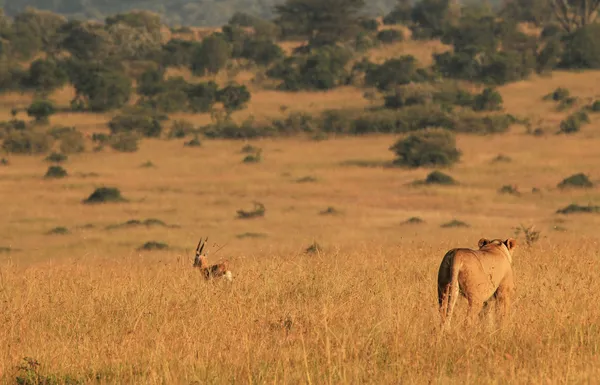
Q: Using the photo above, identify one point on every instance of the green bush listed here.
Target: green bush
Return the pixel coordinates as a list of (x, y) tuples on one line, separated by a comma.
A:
[(574, 122), (124, 141), (211, 55), (253, 158), (142, 122), (454, 223), (428, 148), (55, 172), (153, 245), (438, 177), (27, 142), (389, 36), (41, 110), (393, 72), (180, 129), (72, 142), (488, 100), (234, 97), (579, 180), (56, 157), (595, 106), (582, 48), (105, 195), (321, 69), (574, 208), (202, 96), (194, 142), (410, 94), (558, 94)]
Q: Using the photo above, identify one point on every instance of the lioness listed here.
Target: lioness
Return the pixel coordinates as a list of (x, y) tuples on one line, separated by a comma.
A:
[(478, 275)]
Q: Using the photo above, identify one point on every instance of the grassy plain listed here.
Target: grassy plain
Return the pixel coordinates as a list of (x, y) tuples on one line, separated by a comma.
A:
[(91, 308)]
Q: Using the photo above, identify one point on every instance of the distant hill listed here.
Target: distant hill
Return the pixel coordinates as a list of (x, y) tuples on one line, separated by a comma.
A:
[(176, 12)]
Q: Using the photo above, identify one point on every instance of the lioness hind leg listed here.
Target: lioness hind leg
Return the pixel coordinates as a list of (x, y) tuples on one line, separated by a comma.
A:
[(475, 307), (503, 297)]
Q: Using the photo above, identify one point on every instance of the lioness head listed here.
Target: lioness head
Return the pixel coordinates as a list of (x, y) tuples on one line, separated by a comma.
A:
[(510, 243)]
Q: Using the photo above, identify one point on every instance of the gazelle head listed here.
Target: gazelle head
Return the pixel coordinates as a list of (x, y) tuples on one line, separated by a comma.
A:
[(199, 260)]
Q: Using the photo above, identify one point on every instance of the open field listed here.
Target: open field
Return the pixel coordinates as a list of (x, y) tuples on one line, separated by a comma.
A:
[(91, 308)]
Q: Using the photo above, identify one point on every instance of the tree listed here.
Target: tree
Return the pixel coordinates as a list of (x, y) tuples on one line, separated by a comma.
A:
[(574, 14), (427, 148), (87, 40), (234, 97), (321, 22), (36, 30), (211, 56), (45, 75), (99, 86)]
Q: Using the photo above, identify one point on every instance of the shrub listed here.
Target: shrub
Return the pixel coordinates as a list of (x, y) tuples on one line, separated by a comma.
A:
[(501, 158), (258, 211), (125, 142), (72, 142), (314, 248), (262, 51), (427, 148), (595, 106), (582, 48), (105, 195), (211, 55), (40, 110), (55, 172), (438, 177), (393, 72), (579, 180), (529, 233), (414, 221), (488, 100), (249, 149), (573, 122), (100, 137), (321, 69), (389, 36), (454, 223), (26, 142), (4, 162), (56, 157), (143, 122), (329, 211), (180, 129), (194, 142), (574, 208), (202, 96), (558, 94), (153, 245), (509, 189), (470, 122), (410, 94), (61, 230), (234, 97), (253, 158)]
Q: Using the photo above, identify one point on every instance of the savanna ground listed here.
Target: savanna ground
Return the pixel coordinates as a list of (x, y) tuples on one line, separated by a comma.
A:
[(90, 307)]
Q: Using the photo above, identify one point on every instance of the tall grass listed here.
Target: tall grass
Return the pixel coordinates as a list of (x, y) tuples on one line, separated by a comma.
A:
[(367, 316)]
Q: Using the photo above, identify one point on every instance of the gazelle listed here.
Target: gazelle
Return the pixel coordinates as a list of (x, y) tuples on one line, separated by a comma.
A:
[(213, 271)]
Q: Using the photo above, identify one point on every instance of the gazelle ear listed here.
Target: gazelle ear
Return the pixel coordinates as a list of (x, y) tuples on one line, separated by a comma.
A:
[(201, 246)]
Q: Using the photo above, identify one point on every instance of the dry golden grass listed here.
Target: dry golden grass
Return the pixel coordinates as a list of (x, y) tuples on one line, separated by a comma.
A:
[(89, 306)]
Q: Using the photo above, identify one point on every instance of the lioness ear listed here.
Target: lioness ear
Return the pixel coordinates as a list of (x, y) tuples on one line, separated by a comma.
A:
[(483, 242), (510, 243)]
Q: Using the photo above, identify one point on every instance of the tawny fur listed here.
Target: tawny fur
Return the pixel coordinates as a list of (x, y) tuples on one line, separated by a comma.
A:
[(478, 275), (217, 270)]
